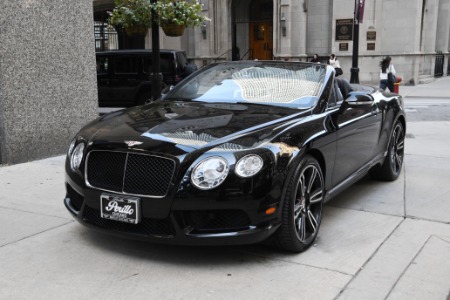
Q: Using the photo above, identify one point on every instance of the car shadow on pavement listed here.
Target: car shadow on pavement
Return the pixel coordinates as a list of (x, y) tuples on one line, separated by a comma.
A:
[(173, 254)]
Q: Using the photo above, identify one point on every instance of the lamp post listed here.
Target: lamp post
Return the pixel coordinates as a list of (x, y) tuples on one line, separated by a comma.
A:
[(354, 77), (358, 17), (155, 75)]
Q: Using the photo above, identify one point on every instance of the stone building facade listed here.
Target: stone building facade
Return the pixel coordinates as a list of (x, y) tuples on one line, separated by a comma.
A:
[(47, 76), (412, 32)]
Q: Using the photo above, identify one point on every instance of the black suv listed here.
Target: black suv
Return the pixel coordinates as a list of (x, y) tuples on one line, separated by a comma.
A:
[(123, 76)]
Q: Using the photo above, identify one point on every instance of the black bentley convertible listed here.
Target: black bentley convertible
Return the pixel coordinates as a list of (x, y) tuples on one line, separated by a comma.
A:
[(237, 153)]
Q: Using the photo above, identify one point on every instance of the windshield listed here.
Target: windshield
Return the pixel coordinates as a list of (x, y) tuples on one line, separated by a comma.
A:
[(272, 83)]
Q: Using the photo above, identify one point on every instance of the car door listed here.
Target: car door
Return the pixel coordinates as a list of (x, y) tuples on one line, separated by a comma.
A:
[(358, 131)]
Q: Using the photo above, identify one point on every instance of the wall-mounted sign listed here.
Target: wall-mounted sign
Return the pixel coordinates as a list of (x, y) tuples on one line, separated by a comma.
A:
[(344, 30), (370, 46), (343, 46), (371, 35)]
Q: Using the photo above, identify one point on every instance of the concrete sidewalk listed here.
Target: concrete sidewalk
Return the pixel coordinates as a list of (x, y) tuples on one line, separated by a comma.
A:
[(378, 240), (440, 88)]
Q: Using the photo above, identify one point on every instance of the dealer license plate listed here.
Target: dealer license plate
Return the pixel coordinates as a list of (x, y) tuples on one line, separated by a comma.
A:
[(120, 208)]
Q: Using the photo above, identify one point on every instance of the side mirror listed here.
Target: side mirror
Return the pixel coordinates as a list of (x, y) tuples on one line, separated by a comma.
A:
[(364, 99), (356, 101)]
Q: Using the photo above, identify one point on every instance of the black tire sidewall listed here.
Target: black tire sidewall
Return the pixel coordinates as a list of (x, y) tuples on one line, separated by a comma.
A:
[(387, 173), (287, 235)]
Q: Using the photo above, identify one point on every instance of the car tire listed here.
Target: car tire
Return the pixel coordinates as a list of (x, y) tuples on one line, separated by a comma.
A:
[(302, 207), (393, 163)]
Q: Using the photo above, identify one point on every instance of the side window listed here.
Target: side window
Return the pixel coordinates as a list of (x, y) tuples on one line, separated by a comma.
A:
[(126, 65), (102, 65), (165, 64)]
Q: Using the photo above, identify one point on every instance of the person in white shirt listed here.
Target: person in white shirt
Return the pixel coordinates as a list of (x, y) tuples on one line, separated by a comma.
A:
[(386, 67), (334, 62)]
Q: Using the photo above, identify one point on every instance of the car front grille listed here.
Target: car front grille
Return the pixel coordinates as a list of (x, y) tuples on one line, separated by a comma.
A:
[(131, 173), (147, 227)]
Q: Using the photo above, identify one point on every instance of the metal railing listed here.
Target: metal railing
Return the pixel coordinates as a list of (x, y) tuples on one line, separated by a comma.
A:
[(106, 38), (248, 54), (439, 64)]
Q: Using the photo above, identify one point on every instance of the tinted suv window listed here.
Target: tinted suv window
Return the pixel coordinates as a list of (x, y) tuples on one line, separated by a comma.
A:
[(126, 65), (123, 75), (167, 65), (102, 65)]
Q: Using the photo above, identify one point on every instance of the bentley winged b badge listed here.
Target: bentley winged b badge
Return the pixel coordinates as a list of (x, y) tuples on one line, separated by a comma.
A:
[(132, 143)]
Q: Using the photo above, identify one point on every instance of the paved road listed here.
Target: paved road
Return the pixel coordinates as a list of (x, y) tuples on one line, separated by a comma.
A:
[(427, 108), (377, 241)]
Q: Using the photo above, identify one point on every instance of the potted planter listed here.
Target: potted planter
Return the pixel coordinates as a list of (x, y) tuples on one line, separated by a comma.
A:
[(136, 30), (175, 16), (172, 29)]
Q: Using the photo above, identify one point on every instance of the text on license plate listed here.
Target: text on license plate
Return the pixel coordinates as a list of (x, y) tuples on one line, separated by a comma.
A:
[(120, 208)]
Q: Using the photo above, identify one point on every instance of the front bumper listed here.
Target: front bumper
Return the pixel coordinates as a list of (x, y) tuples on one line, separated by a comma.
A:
[(183, 227)]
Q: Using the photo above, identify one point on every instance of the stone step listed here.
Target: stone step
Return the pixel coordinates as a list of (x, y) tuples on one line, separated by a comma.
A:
[(424, 79)]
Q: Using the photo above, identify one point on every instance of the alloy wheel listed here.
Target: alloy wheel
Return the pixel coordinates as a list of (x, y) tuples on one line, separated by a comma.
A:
[(308, 203), (397, 150)]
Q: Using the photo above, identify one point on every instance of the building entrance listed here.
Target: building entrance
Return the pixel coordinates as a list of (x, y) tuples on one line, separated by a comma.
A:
[(253, 29), (261, 41)]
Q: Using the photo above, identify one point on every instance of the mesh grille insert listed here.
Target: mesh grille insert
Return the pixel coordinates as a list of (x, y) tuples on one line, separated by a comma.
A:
[(130, 173), (218, 220), (148, 227)]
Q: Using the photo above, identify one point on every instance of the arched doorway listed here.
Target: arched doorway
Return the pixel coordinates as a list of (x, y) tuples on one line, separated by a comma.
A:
[(252, 29)]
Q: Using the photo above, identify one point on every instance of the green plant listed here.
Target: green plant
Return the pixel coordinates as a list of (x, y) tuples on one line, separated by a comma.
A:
[(131, 13), (180, 12)]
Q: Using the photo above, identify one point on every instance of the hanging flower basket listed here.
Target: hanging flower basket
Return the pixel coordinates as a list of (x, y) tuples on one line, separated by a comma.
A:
[(172, 15), (171, 29), (136, 30)]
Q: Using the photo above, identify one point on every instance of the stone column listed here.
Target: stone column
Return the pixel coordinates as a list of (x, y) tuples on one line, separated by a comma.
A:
[(47, 76), (443, 31), (293, 43)]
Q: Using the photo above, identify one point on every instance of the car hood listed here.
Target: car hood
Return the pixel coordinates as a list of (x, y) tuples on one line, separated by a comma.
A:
[(180, 127)]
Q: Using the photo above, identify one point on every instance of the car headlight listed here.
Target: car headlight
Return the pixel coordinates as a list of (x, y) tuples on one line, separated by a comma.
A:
[(210, 173), (71, 146), (77, 156), (249, 165)]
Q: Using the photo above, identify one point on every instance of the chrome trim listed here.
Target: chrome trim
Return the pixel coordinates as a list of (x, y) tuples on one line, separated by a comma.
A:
[(357, 119), (250, 230), (362, 103), (123, 182)]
